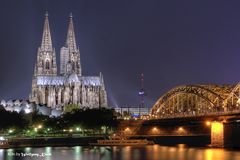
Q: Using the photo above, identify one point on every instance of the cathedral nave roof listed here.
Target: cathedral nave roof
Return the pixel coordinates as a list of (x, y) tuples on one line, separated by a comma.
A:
[(61, 80)]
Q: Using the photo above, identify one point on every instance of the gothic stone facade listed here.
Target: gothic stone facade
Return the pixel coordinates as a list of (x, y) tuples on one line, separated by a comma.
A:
[(70, 87)]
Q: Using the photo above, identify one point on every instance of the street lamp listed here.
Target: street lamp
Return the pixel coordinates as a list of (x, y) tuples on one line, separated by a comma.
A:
[(39, 126), (208, 123), (127, 130), (155, 130), (10, 131), (181, 130)]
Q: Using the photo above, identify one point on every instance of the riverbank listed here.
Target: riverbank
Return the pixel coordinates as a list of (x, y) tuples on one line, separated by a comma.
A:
[(52, 141), (202, 140)]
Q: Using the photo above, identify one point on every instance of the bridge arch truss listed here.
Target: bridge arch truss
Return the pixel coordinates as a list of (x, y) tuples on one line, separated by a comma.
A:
[(197, 100)]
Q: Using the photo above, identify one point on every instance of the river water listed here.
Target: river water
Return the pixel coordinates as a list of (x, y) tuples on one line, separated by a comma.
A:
[(151, 152)]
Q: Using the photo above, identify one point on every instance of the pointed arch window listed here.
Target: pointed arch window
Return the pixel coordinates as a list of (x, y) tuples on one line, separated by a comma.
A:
[(47, 64), (73, 66)]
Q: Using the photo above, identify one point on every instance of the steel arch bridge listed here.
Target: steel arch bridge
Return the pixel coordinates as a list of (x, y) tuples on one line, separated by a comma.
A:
[(197, 100)]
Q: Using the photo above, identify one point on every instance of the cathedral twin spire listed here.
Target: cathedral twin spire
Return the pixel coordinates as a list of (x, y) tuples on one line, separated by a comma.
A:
[(69, 54), (47, 40), (46, 37), (71, 40)]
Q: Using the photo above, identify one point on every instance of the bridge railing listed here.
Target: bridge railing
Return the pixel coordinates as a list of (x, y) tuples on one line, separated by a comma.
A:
[(219, 113)]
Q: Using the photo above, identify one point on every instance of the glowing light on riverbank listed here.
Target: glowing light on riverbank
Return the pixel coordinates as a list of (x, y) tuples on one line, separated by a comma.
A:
[(180, 129), (208, 123), (10, 131), (127, 130), (155, 130)]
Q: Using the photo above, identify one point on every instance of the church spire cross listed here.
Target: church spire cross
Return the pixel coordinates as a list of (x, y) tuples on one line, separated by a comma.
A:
[(46, 37), (71, 40)]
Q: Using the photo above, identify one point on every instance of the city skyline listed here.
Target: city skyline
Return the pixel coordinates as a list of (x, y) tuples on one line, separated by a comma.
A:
[(170, 46)]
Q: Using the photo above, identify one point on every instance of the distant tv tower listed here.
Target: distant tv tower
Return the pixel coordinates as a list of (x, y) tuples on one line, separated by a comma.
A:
[(141, 92)]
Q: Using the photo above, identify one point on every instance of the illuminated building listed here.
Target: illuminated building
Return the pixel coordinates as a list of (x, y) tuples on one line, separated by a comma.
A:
[(70, 87)]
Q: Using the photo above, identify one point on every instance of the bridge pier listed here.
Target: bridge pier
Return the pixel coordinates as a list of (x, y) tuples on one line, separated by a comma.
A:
[(225, 134), (194, 131), (217, 134)]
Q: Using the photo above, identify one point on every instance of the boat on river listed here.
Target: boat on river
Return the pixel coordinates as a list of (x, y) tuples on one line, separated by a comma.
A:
[(4, 143), (120, 141)]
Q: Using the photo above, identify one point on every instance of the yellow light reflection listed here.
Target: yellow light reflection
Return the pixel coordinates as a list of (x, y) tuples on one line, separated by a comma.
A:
[(214, 154), (181, 146)]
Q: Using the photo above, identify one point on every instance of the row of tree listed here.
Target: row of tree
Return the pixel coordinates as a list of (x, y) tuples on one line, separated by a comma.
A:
[(86, 118)]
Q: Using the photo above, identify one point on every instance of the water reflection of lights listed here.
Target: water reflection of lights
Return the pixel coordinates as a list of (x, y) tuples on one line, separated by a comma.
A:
[(214, 154), (1, 154), (151, 152), (181, 151), (63, 152), (128, 148), (136, 154), (48, 153), (172, 149), (27, 149), (155, 147), (10, 150), (209, 154), (181, 147), (10, 154), (77, 150), (48, 150), (127, 153), (102, 149)]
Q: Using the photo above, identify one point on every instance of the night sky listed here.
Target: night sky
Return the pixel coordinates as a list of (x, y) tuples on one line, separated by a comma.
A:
[(171, 42)]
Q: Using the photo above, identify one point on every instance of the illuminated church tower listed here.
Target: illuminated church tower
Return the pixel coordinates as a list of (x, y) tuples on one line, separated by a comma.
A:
[(46, 57), (70, 87), (70, 54)]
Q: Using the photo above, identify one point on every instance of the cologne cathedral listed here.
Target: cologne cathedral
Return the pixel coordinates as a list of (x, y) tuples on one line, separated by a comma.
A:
[(69, 86)]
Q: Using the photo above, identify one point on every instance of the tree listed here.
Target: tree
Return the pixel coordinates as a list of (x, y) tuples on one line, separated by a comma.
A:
[(91, 118), (70, 108), (11, 119)]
